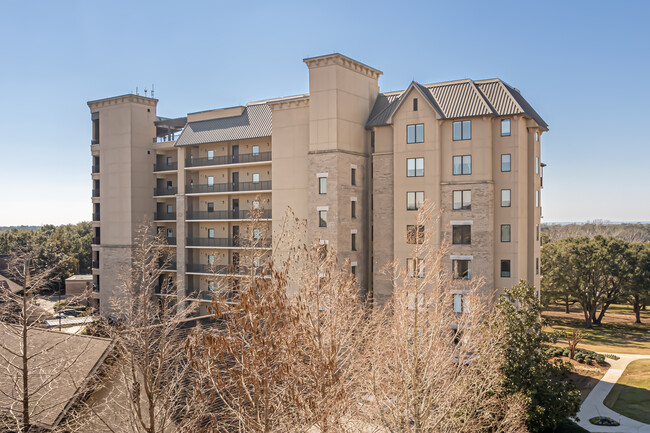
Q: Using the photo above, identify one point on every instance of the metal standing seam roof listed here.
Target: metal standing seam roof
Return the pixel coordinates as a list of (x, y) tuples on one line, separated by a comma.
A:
[(254, 122), (460, 99)]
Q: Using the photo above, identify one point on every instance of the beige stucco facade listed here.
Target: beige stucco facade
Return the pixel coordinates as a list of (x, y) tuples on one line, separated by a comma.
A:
[(198, 178)]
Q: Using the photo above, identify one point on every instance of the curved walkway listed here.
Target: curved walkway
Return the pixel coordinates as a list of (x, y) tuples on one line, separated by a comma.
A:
[(593, 404)]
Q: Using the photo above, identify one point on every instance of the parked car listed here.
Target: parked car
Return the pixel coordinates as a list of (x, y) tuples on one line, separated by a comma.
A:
[(70, 312), (60, 316)]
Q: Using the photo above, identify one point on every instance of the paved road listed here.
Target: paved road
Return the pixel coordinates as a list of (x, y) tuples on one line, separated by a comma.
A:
[(593, 404)]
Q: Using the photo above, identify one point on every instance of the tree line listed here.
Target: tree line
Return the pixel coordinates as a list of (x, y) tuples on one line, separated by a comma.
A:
[(48, 243), (596, 273)]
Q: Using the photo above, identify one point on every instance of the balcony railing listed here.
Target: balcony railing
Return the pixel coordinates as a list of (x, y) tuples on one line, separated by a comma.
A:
[(222, 269), (95, 216), (95, 264), (229, 159), (96, 241), (95, 169), (165, 191), (164, 216), (170, 240), (228, 187), (228, 215), (229, 242), (164, 166), (169, 266), (96, 192), (94, 142)]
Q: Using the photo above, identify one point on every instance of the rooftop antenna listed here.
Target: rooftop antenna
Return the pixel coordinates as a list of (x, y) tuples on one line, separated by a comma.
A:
[(152, 90), (136, 91)]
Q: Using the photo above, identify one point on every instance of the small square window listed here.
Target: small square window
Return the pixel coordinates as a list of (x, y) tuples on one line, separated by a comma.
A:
[(505, 162), (414, 200), (505, 198), (461, 235), (458, 303), (256, 234), (169, 160), (462, 165), (210, 155), (414, 167), (256, 178), (414, 234), (505, 127), (462, 200), (415, 133), (210, 260), (170, 233), (256, 204), (170, 208), (210, 180), (462, 130), (462, 269), (211, 233), (169, 185), (322, 185), (505, 268), (255, 150), (505, 232), (210, 206), (322, 218), (415, 268)]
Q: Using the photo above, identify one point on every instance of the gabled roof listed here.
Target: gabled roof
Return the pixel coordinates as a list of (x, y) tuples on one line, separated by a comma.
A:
[(459, 99), (254, 122)]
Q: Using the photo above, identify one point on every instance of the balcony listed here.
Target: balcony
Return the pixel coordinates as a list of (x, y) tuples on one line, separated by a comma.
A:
[(229, 159), (165, 191), (96, 241), (96, 192), (223, 270), (95, 216), (169, 266), (234, 214), (170, 240), (165, 167), (228, 187), (95, 169), (229, 242), (164, 216)]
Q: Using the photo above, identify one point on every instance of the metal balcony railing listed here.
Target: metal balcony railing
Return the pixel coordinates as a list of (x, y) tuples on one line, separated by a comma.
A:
[(170, 266), (164, 166), (95, 216), (95, 169), (228, 187), (165, 191), (96, 241), (229, 159), (228, 215), (164, 216), (221, 269), (229, 242), (96, 192), (170, 240)]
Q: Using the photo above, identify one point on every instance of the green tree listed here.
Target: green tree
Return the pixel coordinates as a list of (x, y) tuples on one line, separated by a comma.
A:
[(525, 367), (637, 290)]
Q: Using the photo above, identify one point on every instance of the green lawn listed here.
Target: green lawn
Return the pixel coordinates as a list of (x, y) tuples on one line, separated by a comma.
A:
[(617, 334), (630, 396)]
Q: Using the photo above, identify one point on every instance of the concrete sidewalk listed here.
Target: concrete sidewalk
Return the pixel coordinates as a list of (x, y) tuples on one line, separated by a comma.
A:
[(593, 404)]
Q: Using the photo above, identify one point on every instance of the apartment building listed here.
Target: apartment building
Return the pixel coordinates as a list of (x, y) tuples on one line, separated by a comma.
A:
[(352, 162)]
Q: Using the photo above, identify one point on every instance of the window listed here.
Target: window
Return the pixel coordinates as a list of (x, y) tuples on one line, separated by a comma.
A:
[(462, 200), (463, 130), (210, 180), (537, 230), (95, 120), (256, 178), (537, 136), (353, 269), (170, 233), (505, 232), (536, 265), (462, 269), (322, 185), (353, 241), (505, 268), (255, 150), (211, 286), (505, 127), (322, 218), (170, 208), (505, 198), (169, 185), (256, 234), (353, 176), (211, 233), (353, 209), (415, 104), (210, 155), (169, 160), (537, 165), (415, 167), (537, 198), (210, 260), (256, 204), (414, 234), (458, 303), (415, 268), (414, 200), (505, 162), (415, 133), (463, 164), (210, 206), (461, 235)]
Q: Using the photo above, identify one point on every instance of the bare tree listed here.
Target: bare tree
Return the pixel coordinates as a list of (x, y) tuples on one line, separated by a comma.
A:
[(36, 366), (573, 338), (146, 388), (432, 368)]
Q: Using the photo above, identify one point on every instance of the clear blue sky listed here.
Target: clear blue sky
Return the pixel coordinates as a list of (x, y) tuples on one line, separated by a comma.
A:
[(583, 65)]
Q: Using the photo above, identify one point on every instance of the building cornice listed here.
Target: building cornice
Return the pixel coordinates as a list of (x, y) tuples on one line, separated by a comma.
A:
[(341, 60), (130, 98), (287, 104)]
